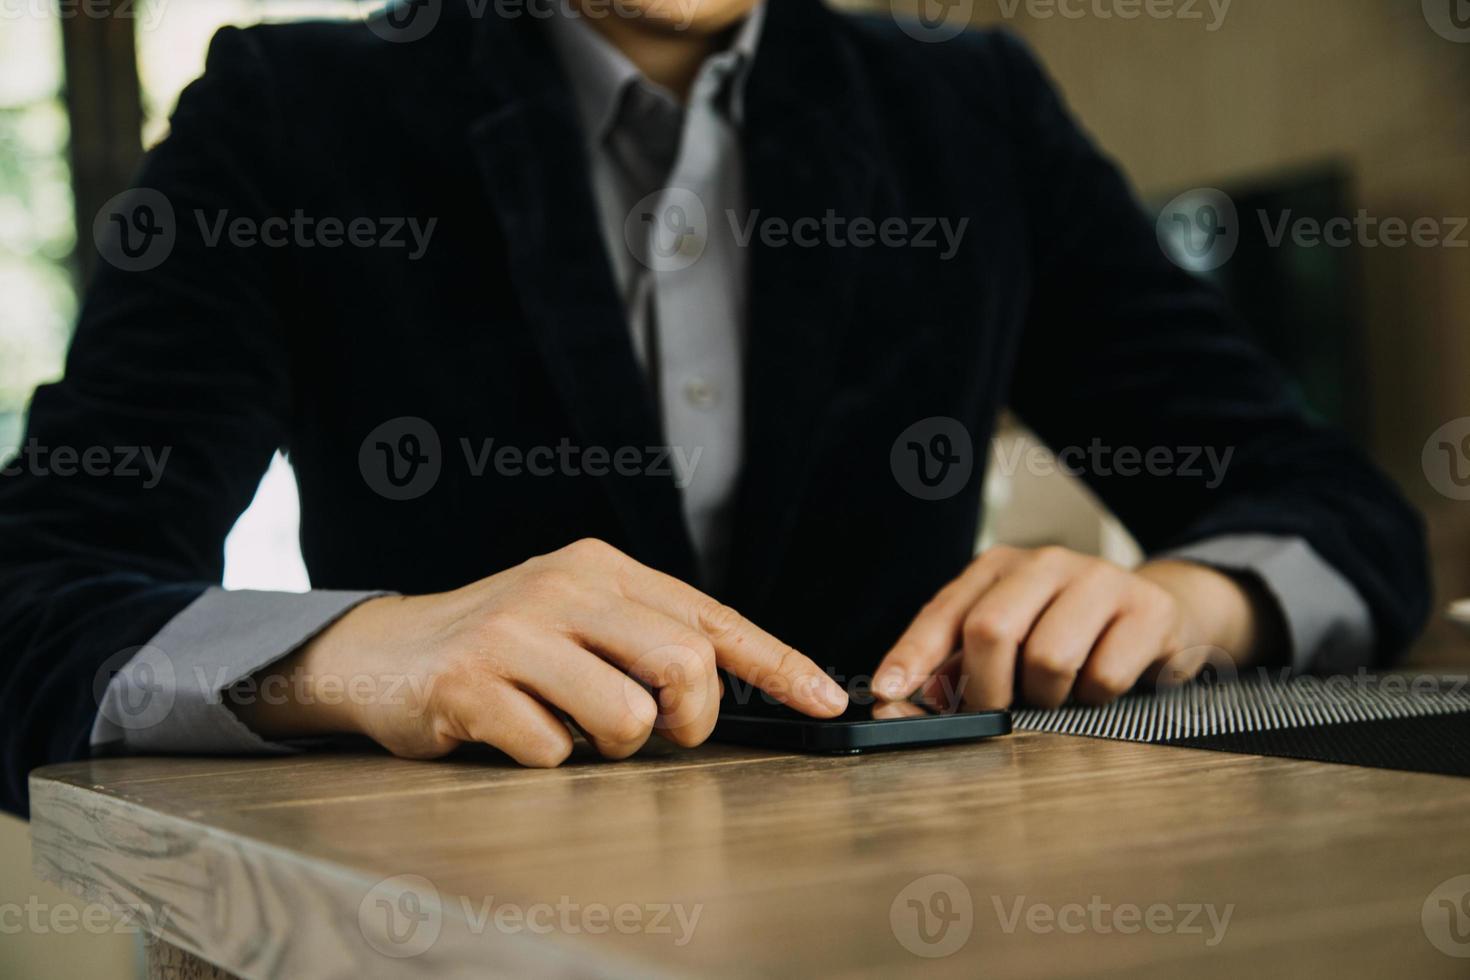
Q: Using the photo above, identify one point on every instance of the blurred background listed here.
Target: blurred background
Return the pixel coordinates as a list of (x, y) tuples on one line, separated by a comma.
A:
[(1294, 110)]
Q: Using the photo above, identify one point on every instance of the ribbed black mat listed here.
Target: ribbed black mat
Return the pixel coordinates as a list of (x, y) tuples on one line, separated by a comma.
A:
[(1419, 725), (1433, 743)]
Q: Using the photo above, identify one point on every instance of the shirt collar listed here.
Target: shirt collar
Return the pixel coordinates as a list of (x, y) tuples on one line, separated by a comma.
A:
[(600, 74)]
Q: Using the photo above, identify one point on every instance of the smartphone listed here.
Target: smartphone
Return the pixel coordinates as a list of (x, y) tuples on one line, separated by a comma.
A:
[(866, 726)]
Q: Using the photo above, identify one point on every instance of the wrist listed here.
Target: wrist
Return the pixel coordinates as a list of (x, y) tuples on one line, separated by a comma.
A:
[(1232, 612), (312, 690)]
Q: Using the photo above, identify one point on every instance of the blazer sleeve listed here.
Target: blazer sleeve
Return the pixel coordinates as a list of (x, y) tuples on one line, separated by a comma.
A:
[(134, 466), (1124, 350)]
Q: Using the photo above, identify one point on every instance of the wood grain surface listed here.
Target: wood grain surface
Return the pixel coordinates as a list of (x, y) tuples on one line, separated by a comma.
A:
[(1029, 856)]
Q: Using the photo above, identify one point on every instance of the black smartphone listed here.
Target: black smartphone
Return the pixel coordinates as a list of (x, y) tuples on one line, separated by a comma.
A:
[(866, 726)]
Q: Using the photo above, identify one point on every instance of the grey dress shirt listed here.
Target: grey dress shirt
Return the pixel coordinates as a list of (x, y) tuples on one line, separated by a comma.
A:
[(664, 176)]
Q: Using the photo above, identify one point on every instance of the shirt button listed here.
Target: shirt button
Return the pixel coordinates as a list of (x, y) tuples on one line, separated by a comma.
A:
[(700, 393)]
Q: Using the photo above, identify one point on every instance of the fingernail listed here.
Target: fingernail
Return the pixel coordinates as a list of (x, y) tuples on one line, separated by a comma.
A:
[(835, 696)]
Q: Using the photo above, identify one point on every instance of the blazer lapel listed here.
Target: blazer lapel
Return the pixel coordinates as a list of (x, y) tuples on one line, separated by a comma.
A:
[(805, 144), (529, 150)]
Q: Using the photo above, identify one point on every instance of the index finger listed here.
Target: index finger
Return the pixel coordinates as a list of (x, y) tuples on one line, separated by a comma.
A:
[(934, 634), (741, 647)]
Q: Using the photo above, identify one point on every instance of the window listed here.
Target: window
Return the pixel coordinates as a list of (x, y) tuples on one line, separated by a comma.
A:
[(37, 228)]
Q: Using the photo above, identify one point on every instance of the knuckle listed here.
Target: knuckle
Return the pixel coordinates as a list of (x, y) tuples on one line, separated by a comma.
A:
[(1051, 556), (536, 562), (1106, 686), (1051, 663), (680, 664), (703, 649), (693, 656), (589, 549), (1000, 552), (989, 630), (1098, 573), (1158, 600), (676, 665), (1152, 602), (719, 620)]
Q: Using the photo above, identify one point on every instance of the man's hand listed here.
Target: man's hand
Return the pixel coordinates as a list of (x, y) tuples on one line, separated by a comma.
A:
[(1050, 623), (583, 634)]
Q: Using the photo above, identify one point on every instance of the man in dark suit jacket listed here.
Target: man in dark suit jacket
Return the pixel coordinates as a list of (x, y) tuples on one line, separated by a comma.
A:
[(584, 331)]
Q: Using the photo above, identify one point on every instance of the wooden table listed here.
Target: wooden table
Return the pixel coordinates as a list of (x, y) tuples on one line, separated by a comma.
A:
[(1030, 856)]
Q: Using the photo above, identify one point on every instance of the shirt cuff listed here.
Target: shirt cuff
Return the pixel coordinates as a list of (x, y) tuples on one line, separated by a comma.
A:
[(168, 697), (1328, 623)]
